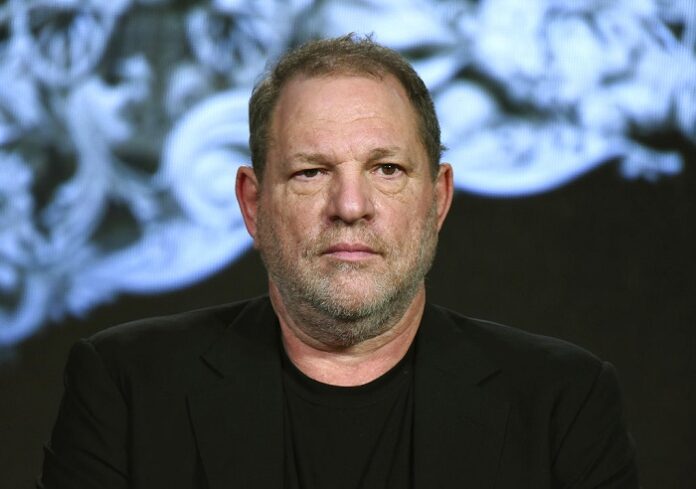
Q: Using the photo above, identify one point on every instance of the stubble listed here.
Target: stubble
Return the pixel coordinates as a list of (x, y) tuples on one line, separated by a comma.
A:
[(338, 303)]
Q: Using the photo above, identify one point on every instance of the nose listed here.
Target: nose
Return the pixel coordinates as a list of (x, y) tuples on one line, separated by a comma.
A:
[(351, 198)]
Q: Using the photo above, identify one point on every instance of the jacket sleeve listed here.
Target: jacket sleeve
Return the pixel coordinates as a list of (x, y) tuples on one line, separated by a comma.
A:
[(88, 444), (595, 450)]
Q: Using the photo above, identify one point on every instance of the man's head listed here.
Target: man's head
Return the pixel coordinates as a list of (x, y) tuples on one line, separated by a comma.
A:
[(347, 55), (347, 213)]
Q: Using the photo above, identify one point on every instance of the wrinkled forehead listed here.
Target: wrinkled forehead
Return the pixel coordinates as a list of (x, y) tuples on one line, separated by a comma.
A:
[(318, 103)]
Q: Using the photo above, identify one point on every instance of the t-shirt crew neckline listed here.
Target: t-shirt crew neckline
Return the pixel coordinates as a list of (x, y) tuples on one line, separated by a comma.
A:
[(353, 396)]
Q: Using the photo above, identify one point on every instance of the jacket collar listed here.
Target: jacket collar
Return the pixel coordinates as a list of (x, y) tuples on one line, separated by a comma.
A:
[(238, 423), (459, 423)]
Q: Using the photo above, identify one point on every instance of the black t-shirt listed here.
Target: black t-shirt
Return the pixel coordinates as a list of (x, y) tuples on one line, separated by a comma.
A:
[(348, 437)]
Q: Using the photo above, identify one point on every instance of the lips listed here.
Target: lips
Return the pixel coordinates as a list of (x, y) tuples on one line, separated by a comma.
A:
[(350, 251)]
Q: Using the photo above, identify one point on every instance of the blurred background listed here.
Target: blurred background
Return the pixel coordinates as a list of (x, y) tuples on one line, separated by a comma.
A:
[(571, 127)]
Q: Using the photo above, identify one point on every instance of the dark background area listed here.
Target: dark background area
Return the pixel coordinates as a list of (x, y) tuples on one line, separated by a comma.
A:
[(604, 262)]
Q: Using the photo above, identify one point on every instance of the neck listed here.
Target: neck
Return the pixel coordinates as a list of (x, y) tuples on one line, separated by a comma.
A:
[(353, 365)]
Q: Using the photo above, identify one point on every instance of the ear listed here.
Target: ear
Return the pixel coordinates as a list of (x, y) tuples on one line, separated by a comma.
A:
[(444, 191), (248, 193)]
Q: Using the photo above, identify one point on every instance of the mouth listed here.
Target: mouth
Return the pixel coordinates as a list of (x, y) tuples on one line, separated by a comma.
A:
[(350, 252)]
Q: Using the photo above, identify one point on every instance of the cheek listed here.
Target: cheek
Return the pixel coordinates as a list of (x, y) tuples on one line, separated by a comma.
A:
[(295, 218), (397, 228), (405, 213)]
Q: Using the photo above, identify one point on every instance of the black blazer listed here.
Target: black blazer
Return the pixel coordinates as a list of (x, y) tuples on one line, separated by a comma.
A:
[(195, 401)]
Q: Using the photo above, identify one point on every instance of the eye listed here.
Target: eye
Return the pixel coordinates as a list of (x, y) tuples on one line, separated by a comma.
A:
[(308, 173), (389, 169)]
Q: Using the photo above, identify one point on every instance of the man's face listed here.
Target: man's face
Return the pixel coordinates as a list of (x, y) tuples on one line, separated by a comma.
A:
[(348, 212)]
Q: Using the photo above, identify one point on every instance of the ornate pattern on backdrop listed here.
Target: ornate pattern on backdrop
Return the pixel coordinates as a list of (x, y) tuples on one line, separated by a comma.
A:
[(122, 122)]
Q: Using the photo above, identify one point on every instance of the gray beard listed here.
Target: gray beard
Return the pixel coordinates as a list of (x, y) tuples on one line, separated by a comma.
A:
[(318, 308), (331, 323)]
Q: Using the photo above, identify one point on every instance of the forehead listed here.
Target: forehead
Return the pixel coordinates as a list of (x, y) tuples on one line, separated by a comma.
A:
[(331, 109)]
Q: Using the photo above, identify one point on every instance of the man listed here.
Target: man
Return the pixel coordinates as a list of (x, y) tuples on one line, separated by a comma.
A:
[(343, 376)]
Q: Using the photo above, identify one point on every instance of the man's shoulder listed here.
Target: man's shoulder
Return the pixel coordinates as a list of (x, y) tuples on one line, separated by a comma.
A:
[(520, 352), (194, 325), (176, 339), (560, 402)]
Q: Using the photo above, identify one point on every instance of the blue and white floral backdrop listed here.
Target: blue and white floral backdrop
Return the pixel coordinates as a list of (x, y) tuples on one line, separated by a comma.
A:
[(122, 122)]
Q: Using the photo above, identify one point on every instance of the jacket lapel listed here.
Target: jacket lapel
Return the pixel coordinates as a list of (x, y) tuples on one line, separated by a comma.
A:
[(458, 429), (238, 422), (459, 423)]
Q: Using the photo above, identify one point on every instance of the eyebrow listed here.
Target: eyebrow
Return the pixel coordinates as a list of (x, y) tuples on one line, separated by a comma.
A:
[(322, 159), (379, 153), (314, 158)]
